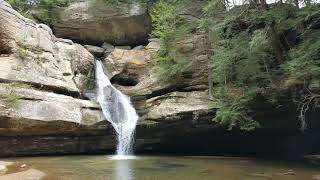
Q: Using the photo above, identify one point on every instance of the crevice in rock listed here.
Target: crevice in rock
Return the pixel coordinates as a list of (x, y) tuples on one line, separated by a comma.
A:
[(164, 91), (42, 87), (92, 108), (30, 99), (178, 88), (124, 81)]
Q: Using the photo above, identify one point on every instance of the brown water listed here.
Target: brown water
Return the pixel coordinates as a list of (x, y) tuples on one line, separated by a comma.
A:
[(166, 168)]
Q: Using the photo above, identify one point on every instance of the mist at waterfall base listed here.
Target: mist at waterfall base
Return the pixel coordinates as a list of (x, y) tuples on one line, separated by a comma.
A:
[(117, 109)]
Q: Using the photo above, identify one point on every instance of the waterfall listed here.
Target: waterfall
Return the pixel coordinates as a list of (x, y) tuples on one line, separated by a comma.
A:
[(117, 108)]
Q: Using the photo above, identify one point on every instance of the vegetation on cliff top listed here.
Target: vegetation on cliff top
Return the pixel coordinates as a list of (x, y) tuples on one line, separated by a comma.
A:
[(44, 11)]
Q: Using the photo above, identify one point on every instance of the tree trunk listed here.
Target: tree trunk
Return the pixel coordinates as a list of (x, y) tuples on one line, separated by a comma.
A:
[(208, 52), (276, 44), (296, 2)]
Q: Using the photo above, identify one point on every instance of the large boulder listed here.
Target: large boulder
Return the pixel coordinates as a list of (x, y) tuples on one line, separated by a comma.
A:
[(20, 103), (177, 103), (32, 54), (126, 66), (97, 21)]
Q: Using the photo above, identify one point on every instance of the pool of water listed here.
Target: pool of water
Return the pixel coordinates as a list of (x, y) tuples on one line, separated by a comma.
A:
[(101, 167)]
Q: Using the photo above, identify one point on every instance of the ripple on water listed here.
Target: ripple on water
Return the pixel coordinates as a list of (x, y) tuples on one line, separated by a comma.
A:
[(122, 157)]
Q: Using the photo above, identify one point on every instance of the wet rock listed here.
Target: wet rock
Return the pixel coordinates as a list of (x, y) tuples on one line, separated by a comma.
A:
[(313, 159), (138, 47), (107, 47), (94, 50), (27, 174), (3, 169), (261, 175), (316, 177), (154, 44), (289, 172)]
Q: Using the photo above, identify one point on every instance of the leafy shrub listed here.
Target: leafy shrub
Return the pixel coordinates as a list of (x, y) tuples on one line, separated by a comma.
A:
[(304, 62), (22, 6), (233, 112), (48, 10), (9, 99), (22, 53), (22, 49)]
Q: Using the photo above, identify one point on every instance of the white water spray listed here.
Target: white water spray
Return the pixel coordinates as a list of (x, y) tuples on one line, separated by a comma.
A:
[(117, 108)]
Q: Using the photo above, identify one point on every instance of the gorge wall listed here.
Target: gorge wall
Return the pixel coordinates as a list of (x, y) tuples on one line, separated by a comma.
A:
[(46, 82)]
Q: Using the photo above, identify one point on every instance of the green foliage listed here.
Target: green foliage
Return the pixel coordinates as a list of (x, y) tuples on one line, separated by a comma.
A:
[(22, 49), (233, 112), (22, 53), (9, 99), (48, 10), (244, 56), (164, 19), (45, 11), (242, 60), (168, 61), (21, 6), (304, 61)]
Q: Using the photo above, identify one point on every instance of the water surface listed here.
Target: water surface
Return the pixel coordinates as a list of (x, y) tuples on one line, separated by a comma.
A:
[(164, 168)]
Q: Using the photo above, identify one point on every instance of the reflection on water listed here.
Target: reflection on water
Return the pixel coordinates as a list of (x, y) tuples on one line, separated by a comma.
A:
[(122, 170), (166, 168)]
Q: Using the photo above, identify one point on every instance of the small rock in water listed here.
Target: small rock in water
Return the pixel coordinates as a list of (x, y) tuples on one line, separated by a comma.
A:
[(108, 47), (207, 171), (138, 47), (316, 177), (260, 175), (23, 166), (289, 172), (3, 169), (30, 174)]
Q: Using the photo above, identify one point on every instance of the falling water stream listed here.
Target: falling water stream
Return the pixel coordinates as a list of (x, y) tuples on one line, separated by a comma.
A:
[(117, 108)]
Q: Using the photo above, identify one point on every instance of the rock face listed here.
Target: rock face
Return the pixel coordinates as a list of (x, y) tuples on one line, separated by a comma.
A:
[(176, 103), (97, 21), (31, 104), (41, 80), (124, 66), (36, 57)]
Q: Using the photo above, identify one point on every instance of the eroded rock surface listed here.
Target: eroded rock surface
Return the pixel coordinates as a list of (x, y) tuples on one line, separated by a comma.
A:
[(42, 79), (35, 56), (97, 21)]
